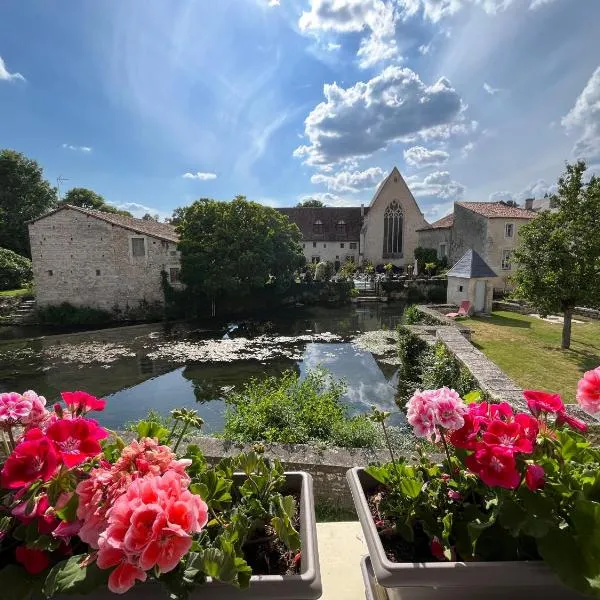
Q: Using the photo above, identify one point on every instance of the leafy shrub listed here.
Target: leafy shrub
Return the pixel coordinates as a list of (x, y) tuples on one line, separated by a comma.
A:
[(323, 271), (441, 368), (67, 314), (410, 351), (288, 410), (15, 270), (354, 293), (347, 270), (411, 315)]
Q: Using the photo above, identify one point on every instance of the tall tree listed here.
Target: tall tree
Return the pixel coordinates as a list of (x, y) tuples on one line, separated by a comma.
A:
[(24, 195), (86, 198), (236, 247), (558, 258), (311, 203)]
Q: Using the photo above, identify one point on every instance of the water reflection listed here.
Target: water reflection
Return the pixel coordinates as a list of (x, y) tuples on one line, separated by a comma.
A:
[(118, 363)]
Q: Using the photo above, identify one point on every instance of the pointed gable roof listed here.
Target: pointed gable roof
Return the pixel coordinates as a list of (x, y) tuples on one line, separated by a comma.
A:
[(471, 266), (394, 173)]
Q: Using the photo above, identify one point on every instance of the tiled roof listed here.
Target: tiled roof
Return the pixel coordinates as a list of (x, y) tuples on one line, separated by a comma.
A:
[(163, 231), (471, 265), (306, 217), (498, 210), (443, 223)]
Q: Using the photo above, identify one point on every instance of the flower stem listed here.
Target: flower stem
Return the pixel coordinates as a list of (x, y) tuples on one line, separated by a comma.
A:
[(6, 446), (446, 449), (172, 432), (183, 430), (389, 445), (11, 438)]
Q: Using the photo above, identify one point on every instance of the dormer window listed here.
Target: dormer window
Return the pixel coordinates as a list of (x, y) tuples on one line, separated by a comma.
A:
[(318, 226), (340, 227)]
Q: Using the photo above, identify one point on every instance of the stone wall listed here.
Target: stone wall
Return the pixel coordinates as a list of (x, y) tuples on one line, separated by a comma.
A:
[(88, 262), (328, 467), (496, 243), (470, 232), (527, 309), (433, 238)]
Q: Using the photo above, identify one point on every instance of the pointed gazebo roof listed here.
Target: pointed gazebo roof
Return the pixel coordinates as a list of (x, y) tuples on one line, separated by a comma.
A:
[(471, 266)]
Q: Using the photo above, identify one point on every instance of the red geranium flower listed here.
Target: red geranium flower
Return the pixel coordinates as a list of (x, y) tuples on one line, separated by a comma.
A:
[(495, 465), (534, 477), (82, 402), (466, 436), (34, 561), (529, 426), (30, 461), (543, 402), (76, 439), (577, 424), (507, 435)]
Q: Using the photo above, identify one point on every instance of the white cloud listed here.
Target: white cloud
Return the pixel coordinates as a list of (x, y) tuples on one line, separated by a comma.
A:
[(331, 47), (436, 185), (418, 156), (350, 181), (436, 10), (200, 176), (584, 118), (375, 17), (492, 91), (467, 148), (139, 210), (368, 116), (425, 49), (85, 149), (330, 199), (501, 196), (274, 2), (437, 211), (537, 189), (5, 75)]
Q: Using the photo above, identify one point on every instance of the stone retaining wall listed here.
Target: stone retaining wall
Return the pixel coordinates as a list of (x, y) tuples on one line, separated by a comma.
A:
[(328, 467), (527, 309)]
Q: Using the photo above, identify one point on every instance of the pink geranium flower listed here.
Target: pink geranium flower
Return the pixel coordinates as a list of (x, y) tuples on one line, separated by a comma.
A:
[(588, 391), (534, 477), (449, 409), (13, 408), (543, 402)]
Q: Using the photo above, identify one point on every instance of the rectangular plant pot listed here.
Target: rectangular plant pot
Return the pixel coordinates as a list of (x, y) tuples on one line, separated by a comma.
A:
[(304, 586), (451, 580)]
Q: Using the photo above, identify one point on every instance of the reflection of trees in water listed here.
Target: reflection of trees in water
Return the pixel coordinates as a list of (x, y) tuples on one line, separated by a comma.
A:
[(214, 381), (22, 367)]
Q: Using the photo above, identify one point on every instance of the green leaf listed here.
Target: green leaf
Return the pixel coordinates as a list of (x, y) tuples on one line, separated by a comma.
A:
[(472, 397), (410, 486), (69, 511), (18, 581), (69, 577)]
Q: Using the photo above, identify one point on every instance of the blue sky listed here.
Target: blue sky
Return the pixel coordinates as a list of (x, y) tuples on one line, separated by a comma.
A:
[(155, 104)]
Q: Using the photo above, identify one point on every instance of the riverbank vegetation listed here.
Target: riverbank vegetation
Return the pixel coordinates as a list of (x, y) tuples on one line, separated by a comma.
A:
[(291, 410)]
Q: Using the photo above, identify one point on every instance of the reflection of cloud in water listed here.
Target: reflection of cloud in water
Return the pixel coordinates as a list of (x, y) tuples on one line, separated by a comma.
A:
[(366, 383)]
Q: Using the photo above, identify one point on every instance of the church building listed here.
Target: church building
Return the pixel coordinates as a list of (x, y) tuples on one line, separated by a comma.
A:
[(383, 232)]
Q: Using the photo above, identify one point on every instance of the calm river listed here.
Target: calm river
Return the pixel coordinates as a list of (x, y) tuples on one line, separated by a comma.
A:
[(163, 367)]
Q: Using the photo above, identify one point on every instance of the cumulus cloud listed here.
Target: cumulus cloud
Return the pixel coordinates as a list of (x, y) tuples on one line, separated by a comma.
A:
[(139, 210), (274, 2), (350, 181), (502, 197), (436, 10), (584, 118), (377, 18), (436, 185), (418, 156), (492, 91), (354, 122), (537, 189), (331, 47), (5, 75), (330, 199), (85, 149), (200, 176)]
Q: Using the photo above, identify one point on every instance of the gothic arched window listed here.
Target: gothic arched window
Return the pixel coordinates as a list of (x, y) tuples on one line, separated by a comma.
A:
[(392, 229)]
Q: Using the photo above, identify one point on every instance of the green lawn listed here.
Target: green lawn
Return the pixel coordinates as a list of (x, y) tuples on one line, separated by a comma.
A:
[(14, 293), (528, 350)]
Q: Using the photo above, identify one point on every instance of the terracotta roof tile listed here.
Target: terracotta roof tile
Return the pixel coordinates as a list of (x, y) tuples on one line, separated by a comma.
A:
[(306, 217), (163, 231), (498, 210)]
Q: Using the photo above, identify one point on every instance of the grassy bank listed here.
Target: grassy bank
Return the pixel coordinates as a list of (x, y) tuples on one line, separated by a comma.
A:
[(528, 350)]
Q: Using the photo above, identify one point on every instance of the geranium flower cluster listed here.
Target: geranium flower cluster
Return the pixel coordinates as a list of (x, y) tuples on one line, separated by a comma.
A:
[(430, 410), (135, 515)]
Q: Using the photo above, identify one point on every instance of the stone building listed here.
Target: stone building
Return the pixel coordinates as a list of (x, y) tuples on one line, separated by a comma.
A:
[(471, 279), (107, 261), (383, 232), (489, 228)]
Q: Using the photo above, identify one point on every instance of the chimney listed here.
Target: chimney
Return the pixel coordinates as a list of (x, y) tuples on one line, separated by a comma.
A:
[(529, 204), (362, 211)]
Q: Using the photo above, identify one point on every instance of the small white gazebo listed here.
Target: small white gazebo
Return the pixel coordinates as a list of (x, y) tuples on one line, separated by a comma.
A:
[(471, 279)]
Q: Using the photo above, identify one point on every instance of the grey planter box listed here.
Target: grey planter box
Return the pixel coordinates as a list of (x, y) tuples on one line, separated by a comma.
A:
[(448, 580), (305, 586)]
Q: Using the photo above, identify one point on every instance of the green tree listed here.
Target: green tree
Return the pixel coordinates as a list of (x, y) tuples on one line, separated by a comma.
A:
[(236, 247), (24, 195), (86, 198), (311, 203), (558, 258), (149, 217), (15, 270)]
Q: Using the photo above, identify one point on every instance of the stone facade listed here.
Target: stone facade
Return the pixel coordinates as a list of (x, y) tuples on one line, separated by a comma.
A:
[(491, 229), (393, 189), (88, 259)]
